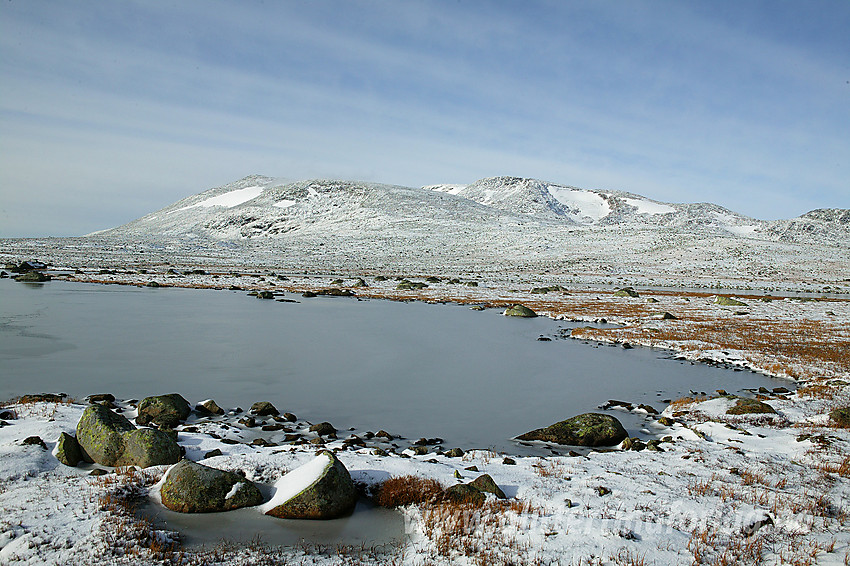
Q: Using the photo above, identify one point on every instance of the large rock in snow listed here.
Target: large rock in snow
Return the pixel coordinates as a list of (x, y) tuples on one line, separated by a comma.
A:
[(521, 311), (320, 489), (166, 411), (190, 487), (588, 429), (110, 439), (68, 450)]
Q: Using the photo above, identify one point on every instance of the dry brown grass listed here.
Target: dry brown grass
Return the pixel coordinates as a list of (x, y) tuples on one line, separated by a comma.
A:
[(407, 490)]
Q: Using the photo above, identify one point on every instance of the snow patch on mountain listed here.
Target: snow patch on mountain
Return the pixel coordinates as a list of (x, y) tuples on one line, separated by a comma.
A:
[(229, 199), (645, 206)]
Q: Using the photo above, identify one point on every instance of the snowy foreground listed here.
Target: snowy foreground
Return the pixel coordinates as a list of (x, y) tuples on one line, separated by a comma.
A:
[(743, 489), (725, 490)]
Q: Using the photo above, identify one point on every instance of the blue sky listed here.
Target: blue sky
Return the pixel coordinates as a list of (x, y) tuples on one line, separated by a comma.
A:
[(110, 110)]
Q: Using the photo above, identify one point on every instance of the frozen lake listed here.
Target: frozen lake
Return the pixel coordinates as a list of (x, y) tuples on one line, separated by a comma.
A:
[(475, 379)]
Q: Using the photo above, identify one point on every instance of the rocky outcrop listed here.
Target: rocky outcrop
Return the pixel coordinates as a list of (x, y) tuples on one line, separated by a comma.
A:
[(109, 439), (263, 409), (190, 487), (588, 429), (321, 489)]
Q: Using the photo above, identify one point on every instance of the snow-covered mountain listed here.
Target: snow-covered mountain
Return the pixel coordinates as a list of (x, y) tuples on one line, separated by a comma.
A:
[(499, 223)]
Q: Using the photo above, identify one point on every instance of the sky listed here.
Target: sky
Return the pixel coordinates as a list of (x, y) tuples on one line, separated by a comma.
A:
[(110, 110)]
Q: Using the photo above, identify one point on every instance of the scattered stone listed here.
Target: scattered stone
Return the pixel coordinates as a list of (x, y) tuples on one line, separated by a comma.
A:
[(654, 445), (323, 429), (781, 390), (194, 488), (454, 453), (485, 484), (419, 450), (751, 528), (667, 421), (98, 472), (602, 490), (648, 408), (508, 461), (249, 422), (379, 452), (213, 453), (633, 443), (208, 407), (68, 450), (745, 406), (588, 429), (308, 294), (8, 415), (520, 311), (384, 434), (263, 409), (165, 411), (34, 441), (457, 475), (330, 496), (101, 398), (43, 398), (265, 295)]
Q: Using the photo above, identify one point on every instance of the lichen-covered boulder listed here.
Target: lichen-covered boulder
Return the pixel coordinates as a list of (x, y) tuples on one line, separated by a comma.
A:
[(109, 439), (521, 311), (588, 429), (626, 292), (729, 302), (163, 410), (465, 493), (145, 447), (744, 406), (320, 489), (190, 487), (68, 450), (32, 277), (99, 433)]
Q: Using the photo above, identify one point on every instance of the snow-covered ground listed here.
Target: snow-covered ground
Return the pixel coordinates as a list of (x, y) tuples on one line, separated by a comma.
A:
[(735, 487)]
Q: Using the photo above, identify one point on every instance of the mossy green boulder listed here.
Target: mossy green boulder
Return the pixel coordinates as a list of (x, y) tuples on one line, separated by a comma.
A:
[(32, 277), (109, 439), (729, 302), (744, 406), (68, 450), (166, 411), (486, 484), (626, 292), (330, 496), (521, 311), (465, 493), (194, 488), (588, 429)]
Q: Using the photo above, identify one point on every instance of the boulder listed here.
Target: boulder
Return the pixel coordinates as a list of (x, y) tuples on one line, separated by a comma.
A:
[(745, 406), (163, 410), (320, 489), (68, 450), (464, 493), (323, 428), (588, 429), (485, 484), (209, 407), (840, 417), (520, 310), (99, 433), (626, 292), (145, 447), (110, 439), (729, 302), (32, 277), (190, 487), (263, 409)]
